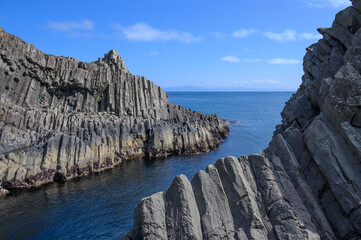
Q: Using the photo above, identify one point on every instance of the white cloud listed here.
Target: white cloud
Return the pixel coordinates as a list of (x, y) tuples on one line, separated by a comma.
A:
[(262, 82), (145, 33), (283, 61), (310, 36), (69, 26), (219, 35), (154, 53), (291, 35), (286, 35), (268, 81), (243, 32), (275, 61), (246, 49), (328, 3), (230, 59), (255, 60)]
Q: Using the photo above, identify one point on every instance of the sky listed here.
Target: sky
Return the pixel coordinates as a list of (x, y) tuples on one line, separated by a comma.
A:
[(229, 44)]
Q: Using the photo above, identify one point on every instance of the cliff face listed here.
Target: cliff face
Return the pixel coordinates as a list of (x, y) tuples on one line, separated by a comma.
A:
[(61, 118), (305, 185)]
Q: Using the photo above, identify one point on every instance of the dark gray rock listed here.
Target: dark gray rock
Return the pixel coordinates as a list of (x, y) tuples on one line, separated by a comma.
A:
[(356, 4), (307, 183), (62, 118), (182, 215), (216, 217), (149, 219), (242, 200)]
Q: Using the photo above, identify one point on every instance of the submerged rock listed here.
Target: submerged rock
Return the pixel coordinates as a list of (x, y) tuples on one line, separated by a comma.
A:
[(61, 118), (307, 183)]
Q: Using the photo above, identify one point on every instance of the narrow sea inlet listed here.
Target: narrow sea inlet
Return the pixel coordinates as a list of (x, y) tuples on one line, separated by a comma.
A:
[(100, 206)]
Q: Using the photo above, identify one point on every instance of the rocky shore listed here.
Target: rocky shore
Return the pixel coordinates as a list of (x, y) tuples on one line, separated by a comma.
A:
[(61, 118), (305, 185)]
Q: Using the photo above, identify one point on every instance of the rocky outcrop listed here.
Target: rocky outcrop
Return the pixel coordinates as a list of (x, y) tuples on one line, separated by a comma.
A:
[(306, 184), (61, 118)]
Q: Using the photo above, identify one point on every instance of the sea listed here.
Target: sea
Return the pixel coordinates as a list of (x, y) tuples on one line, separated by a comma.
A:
[(100, 206)]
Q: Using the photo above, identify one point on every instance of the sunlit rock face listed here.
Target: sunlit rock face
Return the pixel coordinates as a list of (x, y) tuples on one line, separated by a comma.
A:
[(61, 118), (305, 185)]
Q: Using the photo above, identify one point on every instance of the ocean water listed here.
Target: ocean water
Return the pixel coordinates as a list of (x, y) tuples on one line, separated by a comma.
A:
[(100, 206)]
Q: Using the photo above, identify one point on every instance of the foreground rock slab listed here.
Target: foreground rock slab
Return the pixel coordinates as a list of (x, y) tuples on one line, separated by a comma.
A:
[(61, 118), (307, 183)]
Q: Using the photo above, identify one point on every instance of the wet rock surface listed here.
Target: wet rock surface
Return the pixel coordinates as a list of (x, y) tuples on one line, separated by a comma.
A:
[(61, 118), (307, 183)]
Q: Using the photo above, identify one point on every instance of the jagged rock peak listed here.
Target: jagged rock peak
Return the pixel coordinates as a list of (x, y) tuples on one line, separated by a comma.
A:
[(61, 118), (306, 184), (113, 57)]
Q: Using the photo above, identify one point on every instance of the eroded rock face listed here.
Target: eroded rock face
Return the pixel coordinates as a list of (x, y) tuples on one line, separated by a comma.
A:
[(307, 183), (61, 118)]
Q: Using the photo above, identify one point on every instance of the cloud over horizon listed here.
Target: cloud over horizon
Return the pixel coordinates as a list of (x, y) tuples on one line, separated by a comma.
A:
[(273, 61), (143, 32), (230, 59), (286, 35), (328, 3), (243, 32), (68, 26), (253, 83), (310, 36), (291, 35), (283, 61), (255, 60)]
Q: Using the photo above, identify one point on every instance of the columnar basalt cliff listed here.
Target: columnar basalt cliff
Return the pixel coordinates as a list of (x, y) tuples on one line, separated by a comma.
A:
[(305, 185), (61, 118)]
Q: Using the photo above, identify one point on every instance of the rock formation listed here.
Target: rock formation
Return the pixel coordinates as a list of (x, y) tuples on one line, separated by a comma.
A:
[(61, 118), (305, 185)]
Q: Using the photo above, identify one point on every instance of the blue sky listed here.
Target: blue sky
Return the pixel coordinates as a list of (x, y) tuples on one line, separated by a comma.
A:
[(214, 44)]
